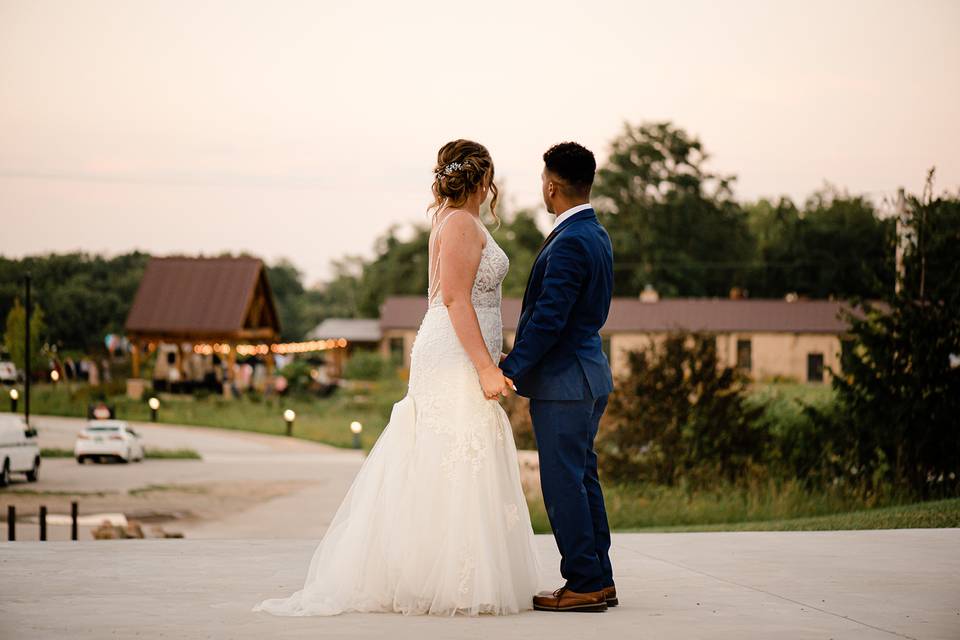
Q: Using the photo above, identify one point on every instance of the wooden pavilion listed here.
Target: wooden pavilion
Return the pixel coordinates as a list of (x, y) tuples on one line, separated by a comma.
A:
[(205, 301)]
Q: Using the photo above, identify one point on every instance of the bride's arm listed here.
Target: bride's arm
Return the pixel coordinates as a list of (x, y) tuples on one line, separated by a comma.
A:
[(460, 249)]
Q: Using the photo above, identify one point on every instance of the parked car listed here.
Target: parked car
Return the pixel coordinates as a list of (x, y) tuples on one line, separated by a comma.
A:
[(19, 451), (108, 439), (8, 372)]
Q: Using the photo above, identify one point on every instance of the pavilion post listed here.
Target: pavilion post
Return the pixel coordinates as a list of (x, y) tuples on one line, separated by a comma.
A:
[(180, 362), (135, 359), (231, 362)]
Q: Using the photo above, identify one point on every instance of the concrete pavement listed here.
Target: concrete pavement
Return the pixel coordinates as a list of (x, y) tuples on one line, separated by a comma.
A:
[(856, 585)]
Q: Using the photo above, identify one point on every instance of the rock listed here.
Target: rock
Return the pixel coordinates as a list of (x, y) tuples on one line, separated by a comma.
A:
[(109, 531), (133, 530), (159, 532), (106, 531)]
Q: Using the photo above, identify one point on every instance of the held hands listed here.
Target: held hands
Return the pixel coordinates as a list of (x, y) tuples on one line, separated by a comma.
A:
[(493, 382)]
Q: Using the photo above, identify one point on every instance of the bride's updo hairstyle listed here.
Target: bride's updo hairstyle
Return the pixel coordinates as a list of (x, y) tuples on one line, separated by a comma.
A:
[(463, 166)]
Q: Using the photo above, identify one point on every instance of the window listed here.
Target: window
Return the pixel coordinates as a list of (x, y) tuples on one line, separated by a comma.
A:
[(744, 355), (814, 367), (396, 350)]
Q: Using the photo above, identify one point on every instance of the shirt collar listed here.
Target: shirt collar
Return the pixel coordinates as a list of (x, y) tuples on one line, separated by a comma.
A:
[(571, 212)]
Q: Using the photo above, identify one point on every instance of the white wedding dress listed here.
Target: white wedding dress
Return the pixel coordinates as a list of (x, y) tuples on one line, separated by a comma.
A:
[(435, 521)]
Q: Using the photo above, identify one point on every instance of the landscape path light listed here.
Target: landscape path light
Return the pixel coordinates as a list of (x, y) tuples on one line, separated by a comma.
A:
[(356, 428), (154, 404)]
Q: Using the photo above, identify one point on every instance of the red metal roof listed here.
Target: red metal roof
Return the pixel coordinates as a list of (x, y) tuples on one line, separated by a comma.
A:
[(692, 314), (199, 296)]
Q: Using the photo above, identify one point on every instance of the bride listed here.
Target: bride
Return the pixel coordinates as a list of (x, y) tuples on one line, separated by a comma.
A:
[(435, 521)]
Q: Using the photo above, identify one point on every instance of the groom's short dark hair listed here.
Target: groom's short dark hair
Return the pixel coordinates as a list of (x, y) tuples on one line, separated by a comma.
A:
[(574, 164)]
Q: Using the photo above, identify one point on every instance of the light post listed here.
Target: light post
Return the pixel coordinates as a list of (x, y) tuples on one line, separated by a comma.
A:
[(14, 396), (27, 370), (154, 404), (356, 428), (289, 416)]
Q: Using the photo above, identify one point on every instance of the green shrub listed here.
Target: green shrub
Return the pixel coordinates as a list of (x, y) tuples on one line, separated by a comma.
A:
[(297, 374), (679, 416), (365, 365)]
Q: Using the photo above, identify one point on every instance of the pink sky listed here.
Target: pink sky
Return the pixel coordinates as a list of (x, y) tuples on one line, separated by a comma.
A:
[(305, 129)]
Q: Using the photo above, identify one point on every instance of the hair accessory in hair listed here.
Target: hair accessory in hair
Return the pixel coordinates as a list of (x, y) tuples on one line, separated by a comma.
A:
[(450, 168)]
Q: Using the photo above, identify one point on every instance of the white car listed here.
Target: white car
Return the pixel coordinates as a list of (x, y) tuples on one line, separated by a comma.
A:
[(108, 439), (19, 451)]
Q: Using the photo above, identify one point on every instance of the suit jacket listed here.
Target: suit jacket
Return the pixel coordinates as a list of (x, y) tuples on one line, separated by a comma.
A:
[(558, 353)]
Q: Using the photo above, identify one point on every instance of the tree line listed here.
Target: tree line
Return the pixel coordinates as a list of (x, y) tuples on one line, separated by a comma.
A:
[(675, 225)]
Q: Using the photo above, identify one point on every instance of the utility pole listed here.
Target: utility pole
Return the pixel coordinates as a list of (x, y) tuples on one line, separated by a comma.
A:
[(26, 359), (902, 230)]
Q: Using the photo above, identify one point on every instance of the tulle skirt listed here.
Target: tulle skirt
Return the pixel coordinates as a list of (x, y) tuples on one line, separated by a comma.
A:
[(435, 521)]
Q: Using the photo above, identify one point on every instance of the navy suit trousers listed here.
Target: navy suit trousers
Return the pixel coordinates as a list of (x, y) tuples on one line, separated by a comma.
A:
[(565, 431)]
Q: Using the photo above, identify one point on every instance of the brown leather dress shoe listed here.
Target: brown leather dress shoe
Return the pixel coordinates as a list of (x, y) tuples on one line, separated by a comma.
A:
[(610, 593), (565, 600)]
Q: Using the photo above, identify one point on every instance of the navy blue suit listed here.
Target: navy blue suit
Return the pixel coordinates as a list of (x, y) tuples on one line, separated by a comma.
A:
[(558, 362)]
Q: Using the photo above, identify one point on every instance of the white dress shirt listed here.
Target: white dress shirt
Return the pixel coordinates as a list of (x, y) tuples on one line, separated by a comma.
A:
[(571, 211)]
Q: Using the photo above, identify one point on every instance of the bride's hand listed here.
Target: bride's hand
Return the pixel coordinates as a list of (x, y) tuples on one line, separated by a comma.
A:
[(492, 381)]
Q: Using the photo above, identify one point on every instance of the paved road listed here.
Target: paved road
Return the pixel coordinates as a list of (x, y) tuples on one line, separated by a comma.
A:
[(843, 585), (324, 472)]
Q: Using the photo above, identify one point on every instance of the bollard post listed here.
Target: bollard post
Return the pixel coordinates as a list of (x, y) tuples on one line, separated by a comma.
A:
[(43, 523), (11, 523), (73, 521)]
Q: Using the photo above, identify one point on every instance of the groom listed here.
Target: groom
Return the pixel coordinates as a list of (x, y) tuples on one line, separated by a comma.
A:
[(557, 361)]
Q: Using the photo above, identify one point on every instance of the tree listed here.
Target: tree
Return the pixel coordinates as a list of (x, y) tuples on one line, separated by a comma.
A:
[(14, 338), (673, 224), (338, 298), (900, 387), (288, 292), (400, 268), (680, 416), (835, 246), (85, 297)]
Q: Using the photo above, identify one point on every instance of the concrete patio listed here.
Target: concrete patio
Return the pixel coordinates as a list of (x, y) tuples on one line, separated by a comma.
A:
[(863, 584)]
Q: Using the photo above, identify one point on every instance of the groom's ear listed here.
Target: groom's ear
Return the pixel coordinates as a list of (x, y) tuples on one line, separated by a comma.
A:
[(550, 184)]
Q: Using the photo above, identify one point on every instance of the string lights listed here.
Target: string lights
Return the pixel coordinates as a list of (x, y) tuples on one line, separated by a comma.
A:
[(263, 349)]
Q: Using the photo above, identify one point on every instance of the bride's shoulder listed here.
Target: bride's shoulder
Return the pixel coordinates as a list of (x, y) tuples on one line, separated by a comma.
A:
[(459, 221)]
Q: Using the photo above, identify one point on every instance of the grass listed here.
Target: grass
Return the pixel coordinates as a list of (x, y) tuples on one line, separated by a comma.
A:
[(171, 454), (775, 506), (153, 488), (324, 420), (814, 394), (162, 454), (922, 515), (56, 452)]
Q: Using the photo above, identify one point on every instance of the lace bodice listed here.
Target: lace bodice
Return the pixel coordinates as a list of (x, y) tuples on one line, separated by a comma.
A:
[(493, 268)]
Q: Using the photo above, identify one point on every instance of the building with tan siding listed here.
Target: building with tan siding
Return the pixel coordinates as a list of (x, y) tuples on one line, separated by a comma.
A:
[(770, 339)]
